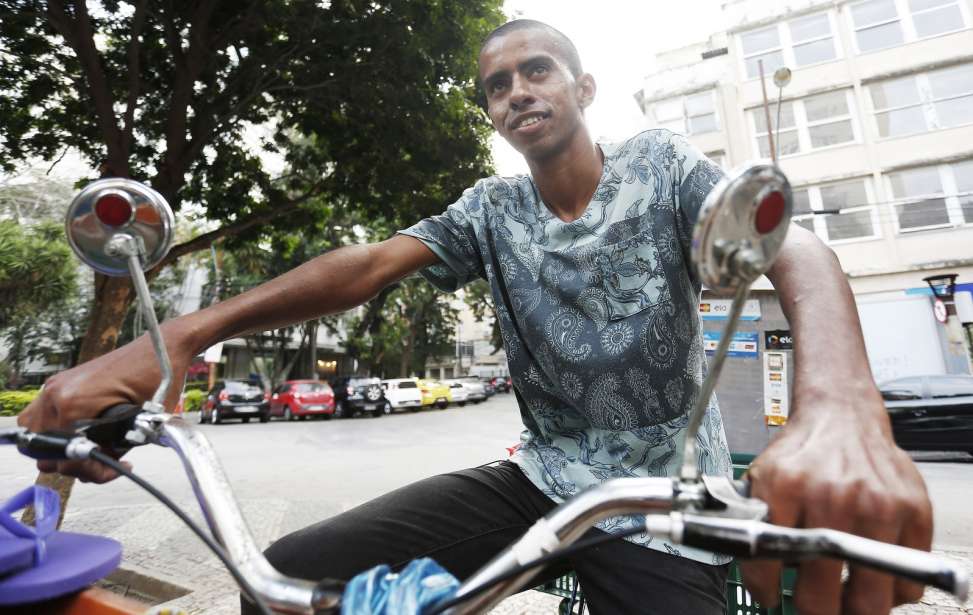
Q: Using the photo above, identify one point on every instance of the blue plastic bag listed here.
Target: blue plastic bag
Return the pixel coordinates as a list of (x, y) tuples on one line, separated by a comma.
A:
[(379, 591)]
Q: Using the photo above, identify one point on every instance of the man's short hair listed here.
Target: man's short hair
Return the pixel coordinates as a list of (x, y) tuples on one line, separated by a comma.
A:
[(569, 53)]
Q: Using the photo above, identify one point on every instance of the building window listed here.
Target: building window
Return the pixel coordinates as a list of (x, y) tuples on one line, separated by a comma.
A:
[(799, 42), (933, 197), (689, 115), (836, 212), (880, 24), (807, 124), (717, 158), (923, 102)]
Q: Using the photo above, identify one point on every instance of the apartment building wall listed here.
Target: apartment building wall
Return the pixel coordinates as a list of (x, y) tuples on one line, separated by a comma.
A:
[(902, 199)]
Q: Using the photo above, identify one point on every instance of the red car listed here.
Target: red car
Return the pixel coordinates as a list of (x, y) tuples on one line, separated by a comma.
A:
[(300, 398)]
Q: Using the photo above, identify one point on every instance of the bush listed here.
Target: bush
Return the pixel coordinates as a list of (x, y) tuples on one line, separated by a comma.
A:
[(192, 401), (12, 402)]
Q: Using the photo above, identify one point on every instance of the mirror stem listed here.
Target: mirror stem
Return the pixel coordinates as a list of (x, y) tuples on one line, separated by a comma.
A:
[(690, 470), (148, 313)]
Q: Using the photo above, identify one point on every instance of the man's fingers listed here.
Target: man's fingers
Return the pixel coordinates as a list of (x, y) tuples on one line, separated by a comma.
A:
[(867, 592), (916, 534), (762, 579), (87, 471)]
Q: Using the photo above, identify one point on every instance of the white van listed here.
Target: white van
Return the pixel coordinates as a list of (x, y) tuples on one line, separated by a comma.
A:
[(403, 393)]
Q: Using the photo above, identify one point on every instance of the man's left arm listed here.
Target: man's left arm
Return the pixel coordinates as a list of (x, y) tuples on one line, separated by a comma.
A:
[(835, 464)]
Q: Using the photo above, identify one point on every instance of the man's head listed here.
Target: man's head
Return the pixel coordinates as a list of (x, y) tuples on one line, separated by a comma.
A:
[(535, 88)]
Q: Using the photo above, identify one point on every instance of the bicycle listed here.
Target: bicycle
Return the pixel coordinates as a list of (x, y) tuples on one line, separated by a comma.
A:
[(118, 227)]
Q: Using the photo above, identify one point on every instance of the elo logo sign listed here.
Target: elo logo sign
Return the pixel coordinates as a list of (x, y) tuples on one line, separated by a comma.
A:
[(779, 339)]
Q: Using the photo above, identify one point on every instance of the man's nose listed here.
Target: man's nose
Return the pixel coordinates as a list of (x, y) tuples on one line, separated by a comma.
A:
[(520, 94)]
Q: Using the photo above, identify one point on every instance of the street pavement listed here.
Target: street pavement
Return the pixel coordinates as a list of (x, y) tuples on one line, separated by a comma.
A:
[(289, 475)]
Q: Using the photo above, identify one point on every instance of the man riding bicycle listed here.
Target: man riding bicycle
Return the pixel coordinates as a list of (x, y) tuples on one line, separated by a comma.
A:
[(587, 261)]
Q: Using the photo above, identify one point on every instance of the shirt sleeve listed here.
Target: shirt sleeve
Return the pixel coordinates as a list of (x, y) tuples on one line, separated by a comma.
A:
[(695, 175), (452, 237)]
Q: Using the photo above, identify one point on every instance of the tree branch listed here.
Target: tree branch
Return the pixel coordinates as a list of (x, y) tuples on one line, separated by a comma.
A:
[(134, 78), (79, 34)]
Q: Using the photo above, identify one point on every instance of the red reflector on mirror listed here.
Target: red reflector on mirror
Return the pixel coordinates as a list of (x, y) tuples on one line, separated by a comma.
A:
[(113, 209), (770, 212)]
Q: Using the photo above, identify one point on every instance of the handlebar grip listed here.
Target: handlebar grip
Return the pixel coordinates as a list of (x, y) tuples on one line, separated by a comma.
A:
[(747, 538), (109, 429)]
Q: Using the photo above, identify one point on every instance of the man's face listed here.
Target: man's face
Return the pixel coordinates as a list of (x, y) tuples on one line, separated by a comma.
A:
[(533, 100)]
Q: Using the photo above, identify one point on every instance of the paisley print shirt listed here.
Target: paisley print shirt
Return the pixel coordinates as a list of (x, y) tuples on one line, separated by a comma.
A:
[(599, 316)]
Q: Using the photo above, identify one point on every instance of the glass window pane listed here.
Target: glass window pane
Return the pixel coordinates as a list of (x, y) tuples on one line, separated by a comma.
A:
[(910, 120), (802, 202), (760, 40), (824, 135), (812, 26), (922, 5), (717, 158), (930, 212), (916, 182), (954, 112), (812, 53), (894, 93), (788, 144), (807, 222), (678, 126), (703, 124), (963, 172), (772, 61), (952, 81), (873, 11), (698, 104), (786, 117), (936, 22), (824, 106), (879, 37), (667, 110), (844, 195), (850, 225)]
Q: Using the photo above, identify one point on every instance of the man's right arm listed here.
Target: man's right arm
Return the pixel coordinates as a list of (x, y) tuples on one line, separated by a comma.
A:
[(331, 283)]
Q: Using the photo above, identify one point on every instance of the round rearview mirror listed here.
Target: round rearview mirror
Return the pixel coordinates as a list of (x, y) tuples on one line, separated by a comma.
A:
[(741, 227), (113, 207)]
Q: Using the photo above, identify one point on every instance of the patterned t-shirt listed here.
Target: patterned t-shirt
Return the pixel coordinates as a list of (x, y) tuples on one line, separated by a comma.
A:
[(599, 316)]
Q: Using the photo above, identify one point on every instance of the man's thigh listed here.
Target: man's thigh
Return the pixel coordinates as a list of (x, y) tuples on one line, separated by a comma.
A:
[(623, 577), (460, 519)]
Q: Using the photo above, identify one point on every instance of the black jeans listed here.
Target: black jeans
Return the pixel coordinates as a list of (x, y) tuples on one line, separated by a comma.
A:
[(463, 519)]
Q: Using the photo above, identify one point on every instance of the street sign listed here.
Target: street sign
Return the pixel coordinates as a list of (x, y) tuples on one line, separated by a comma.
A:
[(939, 311)]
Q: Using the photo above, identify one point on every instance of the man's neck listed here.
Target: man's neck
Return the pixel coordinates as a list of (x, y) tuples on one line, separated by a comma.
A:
[(568, 180)]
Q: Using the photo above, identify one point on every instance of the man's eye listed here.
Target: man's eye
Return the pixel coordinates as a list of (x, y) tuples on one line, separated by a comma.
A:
[(540, 69), (496, 87)]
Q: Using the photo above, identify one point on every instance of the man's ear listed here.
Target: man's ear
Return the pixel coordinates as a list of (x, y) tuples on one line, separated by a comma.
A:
[(586, 88)]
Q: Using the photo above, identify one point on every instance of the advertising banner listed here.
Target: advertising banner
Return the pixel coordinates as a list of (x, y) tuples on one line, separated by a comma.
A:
[(776, 390), (743, 345), (719, 309)]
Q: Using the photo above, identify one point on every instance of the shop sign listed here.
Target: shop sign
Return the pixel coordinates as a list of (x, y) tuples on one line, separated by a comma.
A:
[(776, 390), (719, 309), (743, 345), (778, 339)]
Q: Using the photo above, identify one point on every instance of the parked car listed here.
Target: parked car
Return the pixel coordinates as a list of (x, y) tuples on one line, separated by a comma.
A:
[(502, 384), (403, 393), (458, 392), (489, 388), (434, 393), (354, 394), (302, 398), (235, 399), (475, 389), (932, 412)]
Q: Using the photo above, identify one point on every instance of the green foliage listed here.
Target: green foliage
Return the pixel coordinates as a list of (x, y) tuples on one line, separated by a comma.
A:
[(370, 102), (12, 402), (192, 401), (36, 269), (479, 299)]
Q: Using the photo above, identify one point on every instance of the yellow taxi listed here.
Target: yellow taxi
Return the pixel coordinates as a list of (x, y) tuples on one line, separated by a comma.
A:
[(434, 393)]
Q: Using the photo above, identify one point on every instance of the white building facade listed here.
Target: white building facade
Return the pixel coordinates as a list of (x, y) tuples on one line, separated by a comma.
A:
[(875, 134)]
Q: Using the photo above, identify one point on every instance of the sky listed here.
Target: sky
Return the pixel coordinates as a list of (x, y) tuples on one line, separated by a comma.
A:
[(617, 41)]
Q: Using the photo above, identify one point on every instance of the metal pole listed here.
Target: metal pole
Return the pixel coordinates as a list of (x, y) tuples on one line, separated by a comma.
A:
[(770, 128)]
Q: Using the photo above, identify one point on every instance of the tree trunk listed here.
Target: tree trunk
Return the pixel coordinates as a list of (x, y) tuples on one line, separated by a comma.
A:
[(312, 349), (111, 301)]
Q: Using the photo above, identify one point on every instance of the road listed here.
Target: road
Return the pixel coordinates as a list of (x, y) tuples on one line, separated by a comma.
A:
[(288, 475)]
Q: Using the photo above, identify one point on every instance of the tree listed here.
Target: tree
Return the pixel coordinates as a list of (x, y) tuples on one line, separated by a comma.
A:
[(165, 92), (479, 299)]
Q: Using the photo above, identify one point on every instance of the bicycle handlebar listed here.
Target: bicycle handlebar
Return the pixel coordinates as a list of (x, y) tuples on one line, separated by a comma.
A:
[(696, 522)]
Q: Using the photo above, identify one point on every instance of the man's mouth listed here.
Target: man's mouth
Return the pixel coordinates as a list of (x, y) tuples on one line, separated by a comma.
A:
[(530, 120)]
